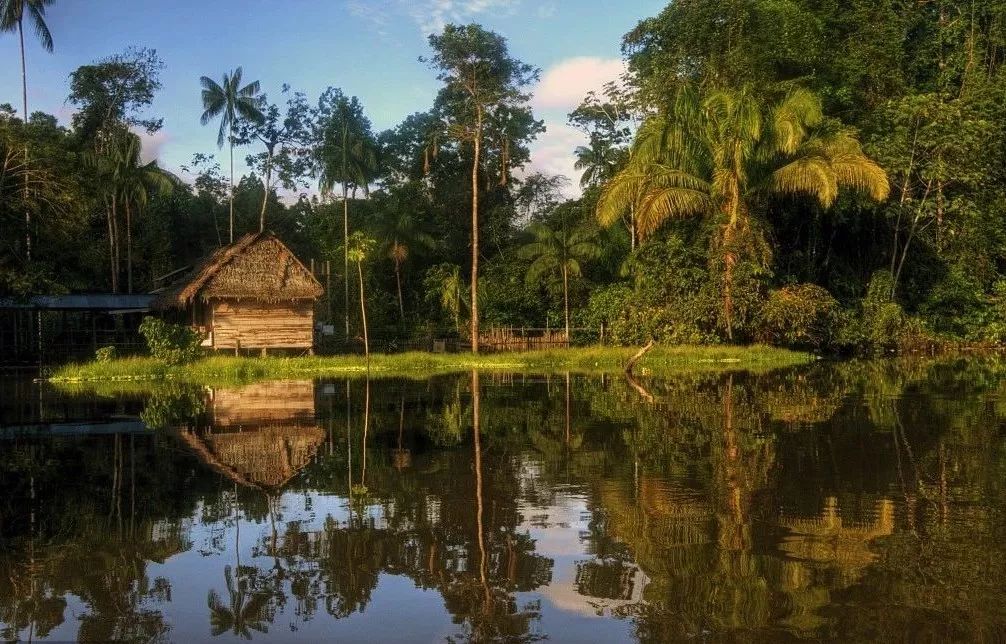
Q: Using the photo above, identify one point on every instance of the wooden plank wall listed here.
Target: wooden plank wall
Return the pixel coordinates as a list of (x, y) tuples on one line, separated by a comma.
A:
[(255, 325), (281, 402)]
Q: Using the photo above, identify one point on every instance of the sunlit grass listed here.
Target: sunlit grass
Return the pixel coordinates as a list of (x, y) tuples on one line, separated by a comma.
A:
[(223, 369)]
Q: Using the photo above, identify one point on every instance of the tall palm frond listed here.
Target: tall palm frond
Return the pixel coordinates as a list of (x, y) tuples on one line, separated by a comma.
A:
[(721, 153), (13, 12)]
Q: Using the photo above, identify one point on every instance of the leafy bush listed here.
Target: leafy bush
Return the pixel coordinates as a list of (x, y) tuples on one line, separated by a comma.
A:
[(803, 316), (171, 405), (886, 328), (105, 354), (172, 343), (993, 327)]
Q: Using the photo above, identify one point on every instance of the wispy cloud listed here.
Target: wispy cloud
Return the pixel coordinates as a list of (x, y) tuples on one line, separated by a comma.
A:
[(430, 16)]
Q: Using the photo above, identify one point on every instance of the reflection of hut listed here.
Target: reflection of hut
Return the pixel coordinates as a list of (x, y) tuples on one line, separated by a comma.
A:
[(261, 435), (828, 539), (826, 543), (252, 294)]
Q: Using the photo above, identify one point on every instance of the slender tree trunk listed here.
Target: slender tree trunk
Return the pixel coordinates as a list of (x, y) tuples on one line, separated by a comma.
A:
[(345, 223), (24, 97), (476, 433), (632, 227), (116, 263), (231, 140), (265, 195), (129, 247), (363, 313), (475, 231), (398, 285), (565, 299), (366, 428), (111, 245)]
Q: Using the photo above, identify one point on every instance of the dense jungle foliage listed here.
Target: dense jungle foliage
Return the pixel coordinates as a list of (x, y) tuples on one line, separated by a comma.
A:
[(813, 174)]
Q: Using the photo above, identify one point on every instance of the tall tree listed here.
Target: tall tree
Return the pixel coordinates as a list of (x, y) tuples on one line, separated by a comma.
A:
[(232, 103), (134, 183), (559, 251), (401, 218), (286, 138), (722, 154), (480, 77), (113, 93), (360, 248), (345, 155), (12, 17)]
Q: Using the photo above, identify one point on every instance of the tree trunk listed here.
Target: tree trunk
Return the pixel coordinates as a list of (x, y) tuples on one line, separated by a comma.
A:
[(231, 141), (111, 245), (398, 285), (345, 225), (24, 97), (116, 261), (632, 227), (565, 299), (475, 231), (477, 444), (129, 247), (363, 313), (265, 195)]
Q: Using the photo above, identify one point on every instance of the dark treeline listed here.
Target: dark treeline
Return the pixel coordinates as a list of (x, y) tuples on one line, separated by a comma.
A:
[(814, 174)]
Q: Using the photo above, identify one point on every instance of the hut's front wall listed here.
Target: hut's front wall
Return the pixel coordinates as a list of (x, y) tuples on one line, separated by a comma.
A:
[(248, 324)]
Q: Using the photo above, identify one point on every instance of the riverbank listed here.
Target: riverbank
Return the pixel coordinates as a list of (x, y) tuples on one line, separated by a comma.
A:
[(224, 369)]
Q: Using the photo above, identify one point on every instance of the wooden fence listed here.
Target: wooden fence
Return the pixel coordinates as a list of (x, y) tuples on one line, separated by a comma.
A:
[(521, 339)]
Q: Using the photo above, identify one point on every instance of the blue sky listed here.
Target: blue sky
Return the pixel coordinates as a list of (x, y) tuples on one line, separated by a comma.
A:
[(369, 48)]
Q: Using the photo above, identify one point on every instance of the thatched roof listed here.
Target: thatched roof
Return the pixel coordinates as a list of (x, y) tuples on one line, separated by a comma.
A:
[(256, 267), (264, 458)]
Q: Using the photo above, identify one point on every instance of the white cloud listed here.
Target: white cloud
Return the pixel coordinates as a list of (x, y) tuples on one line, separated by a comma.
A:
[(566, 83), (151, 144), (562, 88), (552, 153)]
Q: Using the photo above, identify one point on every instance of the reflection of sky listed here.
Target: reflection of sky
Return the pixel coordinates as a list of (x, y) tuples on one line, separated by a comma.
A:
[(556, 529), (397, 610)]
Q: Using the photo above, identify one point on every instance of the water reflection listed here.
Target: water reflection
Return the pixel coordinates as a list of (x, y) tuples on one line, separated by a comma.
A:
[(852, 501)]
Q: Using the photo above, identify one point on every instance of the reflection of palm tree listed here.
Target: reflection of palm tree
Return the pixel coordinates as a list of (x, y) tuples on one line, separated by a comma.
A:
[(245, 612)]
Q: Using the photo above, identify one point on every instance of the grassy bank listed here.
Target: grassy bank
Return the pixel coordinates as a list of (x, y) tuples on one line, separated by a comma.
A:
[(223, 369)]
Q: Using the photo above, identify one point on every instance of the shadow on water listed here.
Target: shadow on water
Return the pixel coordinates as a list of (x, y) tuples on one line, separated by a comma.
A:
[(852, 501)]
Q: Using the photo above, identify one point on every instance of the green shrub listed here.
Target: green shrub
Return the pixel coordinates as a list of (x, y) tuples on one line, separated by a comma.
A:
[(105, 354), (994, 328), (172, 405), (886, 328), (802, 316), (172, 343)]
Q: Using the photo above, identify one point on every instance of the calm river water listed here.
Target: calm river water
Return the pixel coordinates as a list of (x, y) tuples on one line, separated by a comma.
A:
[(853, 502)]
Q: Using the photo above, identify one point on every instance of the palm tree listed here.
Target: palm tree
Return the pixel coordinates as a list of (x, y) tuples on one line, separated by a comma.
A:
[(12, 15), (445, 287), (348, 158), (231, 103), (722, 153), (599, 161), (359, 248), (243, 613), (133, 182), (401, 234), (557, 251)]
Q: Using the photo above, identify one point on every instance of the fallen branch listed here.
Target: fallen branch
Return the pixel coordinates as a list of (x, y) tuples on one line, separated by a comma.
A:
[(630, 365)]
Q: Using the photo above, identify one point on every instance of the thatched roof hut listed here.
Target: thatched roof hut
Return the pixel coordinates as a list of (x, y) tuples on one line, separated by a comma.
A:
[(261, 436), (252, 294)]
